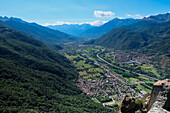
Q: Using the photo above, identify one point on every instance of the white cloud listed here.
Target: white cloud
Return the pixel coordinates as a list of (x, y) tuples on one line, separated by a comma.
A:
[(96, 23), (103, 13), (137, 16), (59, 23), (93, 23)]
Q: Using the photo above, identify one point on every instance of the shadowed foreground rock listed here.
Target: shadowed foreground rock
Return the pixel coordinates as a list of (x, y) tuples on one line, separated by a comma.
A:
[(128, 104), (131, 105), (159, 101)]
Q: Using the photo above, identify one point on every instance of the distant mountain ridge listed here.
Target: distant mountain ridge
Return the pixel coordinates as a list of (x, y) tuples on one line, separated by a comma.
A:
[(73, 29), (36, 31), (124, 39), (97, 32), (136, 35), (160, 18)]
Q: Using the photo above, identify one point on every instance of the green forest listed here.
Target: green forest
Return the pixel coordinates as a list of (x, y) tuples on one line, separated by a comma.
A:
[(35, 79)]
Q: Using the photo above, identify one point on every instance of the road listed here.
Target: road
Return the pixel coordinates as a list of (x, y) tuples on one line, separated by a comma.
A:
[(123, 68)]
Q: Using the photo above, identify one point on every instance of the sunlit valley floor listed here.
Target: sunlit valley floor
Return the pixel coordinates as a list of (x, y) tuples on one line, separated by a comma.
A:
[(106, 76)]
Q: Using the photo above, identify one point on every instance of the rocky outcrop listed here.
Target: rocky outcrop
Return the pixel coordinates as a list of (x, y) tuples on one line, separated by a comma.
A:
[(160, 98), (128, 104), (157, 102), (132, 105)]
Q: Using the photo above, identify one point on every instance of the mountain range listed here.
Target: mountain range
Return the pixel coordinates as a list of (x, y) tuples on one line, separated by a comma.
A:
[(97, 32), (136, 35), (73, 29), (148, 20), (36, 31)]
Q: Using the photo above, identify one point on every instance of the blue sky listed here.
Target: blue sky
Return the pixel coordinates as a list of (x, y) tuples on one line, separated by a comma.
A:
[(94, 12)]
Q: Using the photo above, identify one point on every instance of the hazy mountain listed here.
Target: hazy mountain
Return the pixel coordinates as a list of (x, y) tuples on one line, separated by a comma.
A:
[(35, 79), (97, 32), (36, 31), (73, 29)]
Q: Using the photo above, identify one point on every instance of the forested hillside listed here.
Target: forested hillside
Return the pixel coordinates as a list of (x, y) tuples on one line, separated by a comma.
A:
[(35, 79), (123, 39)]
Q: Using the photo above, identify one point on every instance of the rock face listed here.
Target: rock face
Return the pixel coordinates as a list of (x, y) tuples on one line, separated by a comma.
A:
[(128, 104), (160, 98), (159, 101)]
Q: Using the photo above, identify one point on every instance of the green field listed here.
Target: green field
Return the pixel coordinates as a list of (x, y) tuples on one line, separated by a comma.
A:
[(150, 68), (86, 69)]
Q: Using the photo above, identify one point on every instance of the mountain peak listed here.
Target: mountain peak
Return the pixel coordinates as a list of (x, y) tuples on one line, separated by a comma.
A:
[(97, 32), (159, 18), (73, 29)]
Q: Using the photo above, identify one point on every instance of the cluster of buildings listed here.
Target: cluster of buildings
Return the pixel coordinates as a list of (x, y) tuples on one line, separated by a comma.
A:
[(132, 57), (111, 86)]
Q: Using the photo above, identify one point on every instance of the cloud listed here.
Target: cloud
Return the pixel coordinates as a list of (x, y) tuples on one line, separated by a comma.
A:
[(96, 23), (59, 23), (137, 16), (93, 23), (103, 13)]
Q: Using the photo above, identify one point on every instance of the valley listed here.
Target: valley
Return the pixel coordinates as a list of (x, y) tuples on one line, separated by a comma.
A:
[(104, 79), (84, 56)]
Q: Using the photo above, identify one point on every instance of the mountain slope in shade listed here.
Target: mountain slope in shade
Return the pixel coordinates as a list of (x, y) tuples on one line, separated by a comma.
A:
[(97, 32), (159, 46), (73, 29), (159, 30), (36, 31), (35, 79), (123, 39)]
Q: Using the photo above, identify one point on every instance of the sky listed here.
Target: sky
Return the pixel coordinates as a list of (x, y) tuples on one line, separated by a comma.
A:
[(94, 12)]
